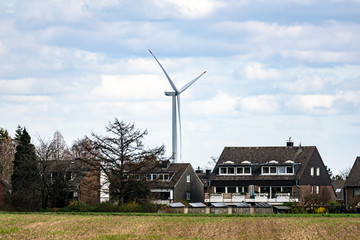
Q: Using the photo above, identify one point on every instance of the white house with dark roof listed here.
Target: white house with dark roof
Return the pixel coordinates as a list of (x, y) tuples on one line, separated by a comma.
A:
[(274, 175)]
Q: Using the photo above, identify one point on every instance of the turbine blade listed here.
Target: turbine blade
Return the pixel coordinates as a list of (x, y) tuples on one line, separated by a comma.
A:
[(190, 83), (167, 76), (178, 110)]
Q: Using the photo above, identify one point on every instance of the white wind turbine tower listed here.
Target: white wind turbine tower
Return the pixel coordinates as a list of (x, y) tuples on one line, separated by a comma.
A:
[(175, 108)]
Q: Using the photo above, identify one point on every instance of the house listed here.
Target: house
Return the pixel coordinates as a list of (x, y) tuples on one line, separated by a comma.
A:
[(174, 182), (81, 180), (273, 175), (5, 189), (352, 186)]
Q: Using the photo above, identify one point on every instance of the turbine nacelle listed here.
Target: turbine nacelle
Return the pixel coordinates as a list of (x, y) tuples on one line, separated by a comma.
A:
[(171, 94)]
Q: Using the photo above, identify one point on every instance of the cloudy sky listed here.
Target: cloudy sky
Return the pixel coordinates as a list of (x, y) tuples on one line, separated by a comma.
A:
[(275, 69)]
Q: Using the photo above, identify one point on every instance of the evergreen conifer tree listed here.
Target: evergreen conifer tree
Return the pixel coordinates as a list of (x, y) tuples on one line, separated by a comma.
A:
[(25, 178)]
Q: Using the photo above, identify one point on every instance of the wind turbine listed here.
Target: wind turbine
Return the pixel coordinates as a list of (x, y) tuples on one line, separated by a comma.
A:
[(175, 108)]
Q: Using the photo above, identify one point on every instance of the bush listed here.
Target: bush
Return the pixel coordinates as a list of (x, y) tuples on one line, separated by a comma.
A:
[(321, 210), (76, 206), (106, 207), (131, 207)]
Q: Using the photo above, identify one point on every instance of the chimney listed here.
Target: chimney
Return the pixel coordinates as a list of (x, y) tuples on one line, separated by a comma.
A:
[(289, 143)]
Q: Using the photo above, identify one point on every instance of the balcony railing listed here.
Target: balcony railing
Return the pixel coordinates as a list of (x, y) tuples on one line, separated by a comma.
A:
[(257, 197)]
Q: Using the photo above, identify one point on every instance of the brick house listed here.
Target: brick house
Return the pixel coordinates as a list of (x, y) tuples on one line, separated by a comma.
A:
[(82, 180), (174, 182), (274, 175), (352, 186)]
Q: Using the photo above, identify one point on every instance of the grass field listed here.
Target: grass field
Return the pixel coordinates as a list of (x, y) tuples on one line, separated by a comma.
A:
[(107, 226)]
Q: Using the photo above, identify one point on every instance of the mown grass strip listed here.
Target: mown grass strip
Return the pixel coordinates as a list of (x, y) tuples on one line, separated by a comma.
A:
[(189, 214)]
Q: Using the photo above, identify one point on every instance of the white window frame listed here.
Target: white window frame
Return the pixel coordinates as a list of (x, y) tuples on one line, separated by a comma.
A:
[(317, 189), (318, 171), (312, 171), (311, 189), (188, 178), (220, 172), (277, 170), (242, 168), (188, 196)]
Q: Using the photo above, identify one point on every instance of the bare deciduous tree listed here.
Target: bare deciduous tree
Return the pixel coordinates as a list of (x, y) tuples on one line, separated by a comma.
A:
[(122, 156)]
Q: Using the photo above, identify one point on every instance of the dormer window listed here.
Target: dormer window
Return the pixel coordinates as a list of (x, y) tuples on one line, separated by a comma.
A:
[(289, 161), (238, 170), (246, 162), (277, 170)]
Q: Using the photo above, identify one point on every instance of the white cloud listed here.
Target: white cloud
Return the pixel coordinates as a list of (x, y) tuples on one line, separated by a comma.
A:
[(257, 71), (220, 105), (189, 9), (17, 86), (259, 104), (26, 99), (306, 84), (130, 87), (322, 56)]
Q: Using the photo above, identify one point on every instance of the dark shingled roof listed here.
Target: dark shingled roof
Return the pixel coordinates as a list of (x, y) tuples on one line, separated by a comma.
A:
[(78, 168), (262, 155), (176, 170), (353, 180)]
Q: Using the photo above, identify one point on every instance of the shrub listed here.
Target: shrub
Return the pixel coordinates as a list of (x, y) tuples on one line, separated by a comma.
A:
[(321, 210), (130, 207), (106, 207), (76, 206)]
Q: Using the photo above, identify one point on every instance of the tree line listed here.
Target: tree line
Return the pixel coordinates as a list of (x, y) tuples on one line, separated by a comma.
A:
[(38, 174)]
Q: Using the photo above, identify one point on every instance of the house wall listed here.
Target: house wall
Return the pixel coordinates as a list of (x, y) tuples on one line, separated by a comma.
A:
[(315, 162), (89, 189), (351, 200), (326, 193), (307, 180), (195, 187), (259, 210), (236, 210)]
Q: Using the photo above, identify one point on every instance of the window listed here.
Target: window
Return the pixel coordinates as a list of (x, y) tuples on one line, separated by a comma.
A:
[(317, 189), (338, 190), (187, 195), (311, 189), (282, 170), (231, 170), (312, 171), (356, 192), (220, 190), (231, 189), (188, 178), (223, 170), (317, 171)]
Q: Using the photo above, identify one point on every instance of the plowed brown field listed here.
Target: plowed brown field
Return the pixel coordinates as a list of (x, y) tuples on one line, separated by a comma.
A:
[(66, 226)]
